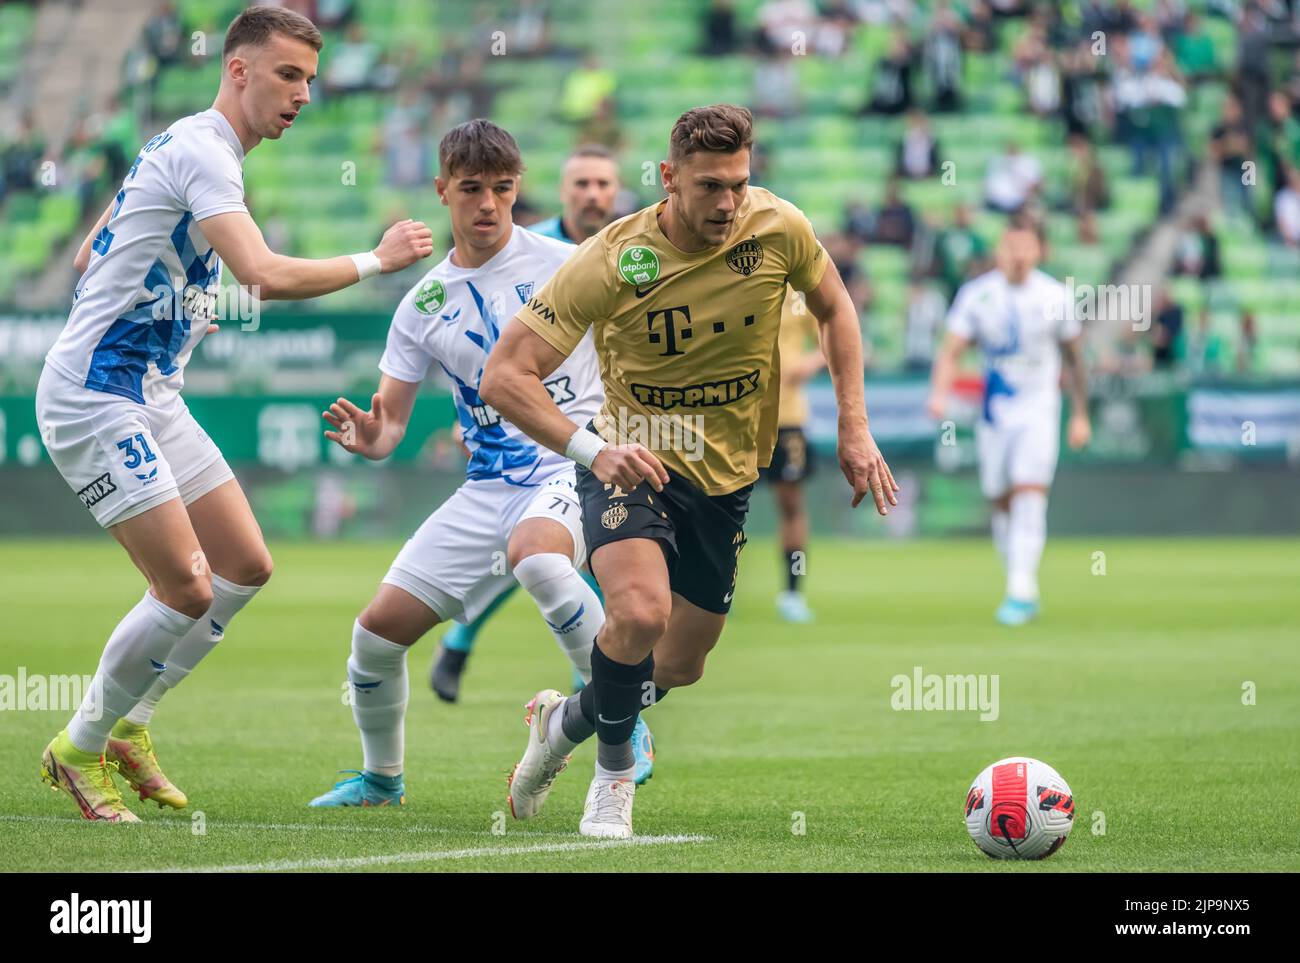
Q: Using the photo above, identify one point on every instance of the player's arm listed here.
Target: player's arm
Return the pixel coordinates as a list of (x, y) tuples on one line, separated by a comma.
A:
[(512, 384), (841, 340), (374, 433), (944, 372), (82, 260), (1078, 431), (240, 244)]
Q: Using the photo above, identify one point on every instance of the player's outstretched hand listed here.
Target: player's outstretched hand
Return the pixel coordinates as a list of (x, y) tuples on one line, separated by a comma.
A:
[(403, 244), (628, 465), (355, 430), (864, 466), (1079, 431), (936, 406)]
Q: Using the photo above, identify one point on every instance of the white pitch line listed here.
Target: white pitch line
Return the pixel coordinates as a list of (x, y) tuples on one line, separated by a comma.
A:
[(183, 823), (435, 855)]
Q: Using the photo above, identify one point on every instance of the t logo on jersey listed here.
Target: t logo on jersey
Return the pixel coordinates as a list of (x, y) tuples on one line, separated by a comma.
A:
[(671, 331), (525, 291)]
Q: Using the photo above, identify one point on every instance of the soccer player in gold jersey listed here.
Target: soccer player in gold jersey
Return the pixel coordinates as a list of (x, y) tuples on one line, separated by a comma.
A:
[(684, 301)]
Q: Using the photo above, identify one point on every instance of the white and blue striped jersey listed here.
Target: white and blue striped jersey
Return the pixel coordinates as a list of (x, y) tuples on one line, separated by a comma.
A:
[(452, 319), (149, 290), (1018, 327)]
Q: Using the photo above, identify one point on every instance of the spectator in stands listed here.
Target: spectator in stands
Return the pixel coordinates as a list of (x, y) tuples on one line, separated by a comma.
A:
[(891, 85), (719, 29), (979, 34), (164, 37), (895, 224), (1247, 343), (352, 65), (1194, 50), (926, 309), (858, 220), (960, 251), (779, 21), (776, 86), (405, 142), (1089, 190), (941, 58), (585, 89), (1204, 353), (1230, 143), (603, 127), (843, 251), (85, 169), (1149, 101), (1279, 140), (917, 154), (530, 34), (20, 158), (1197, 255), (333, 14), (1286, 209), (1166, 331), (1011, 180), (1253, 80), (1082, 106)]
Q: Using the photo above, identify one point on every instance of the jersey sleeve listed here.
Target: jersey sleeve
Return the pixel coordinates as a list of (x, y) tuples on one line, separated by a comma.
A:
[(807, 259), (405, 357), (579, 294), (210, 181), (961, 321)]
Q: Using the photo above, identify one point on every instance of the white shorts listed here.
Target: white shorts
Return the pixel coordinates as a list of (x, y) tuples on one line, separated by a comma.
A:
[(456, 561), (1023, 452), (123, 458)]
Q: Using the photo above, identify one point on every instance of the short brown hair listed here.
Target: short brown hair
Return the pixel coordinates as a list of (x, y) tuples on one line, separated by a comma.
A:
[(592, 150), (721, 128), (256, 25), (479, 147)]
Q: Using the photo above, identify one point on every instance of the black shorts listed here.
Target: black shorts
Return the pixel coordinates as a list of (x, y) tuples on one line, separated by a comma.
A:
[(702, 535), (792, 459)]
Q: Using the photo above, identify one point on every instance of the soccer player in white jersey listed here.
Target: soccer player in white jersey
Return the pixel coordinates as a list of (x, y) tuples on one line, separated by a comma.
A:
[(516, 517), (109, 407), (1023, 322)]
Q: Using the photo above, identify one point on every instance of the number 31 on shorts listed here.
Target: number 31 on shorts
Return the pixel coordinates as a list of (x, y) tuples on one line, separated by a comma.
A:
[(135, 456)]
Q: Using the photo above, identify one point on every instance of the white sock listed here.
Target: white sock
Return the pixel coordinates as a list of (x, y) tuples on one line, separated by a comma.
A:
[(1026, 536), (377, 671), (227, 599), (610, 775), (135, 654), (567, 603), (1000, 523)]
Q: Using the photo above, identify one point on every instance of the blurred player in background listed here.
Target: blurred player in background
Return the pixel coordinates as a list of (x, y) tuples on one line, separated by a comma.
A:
[(684, 298), (112, 417), (589, 186), (792, 459), (518, 504), (1025, 326)]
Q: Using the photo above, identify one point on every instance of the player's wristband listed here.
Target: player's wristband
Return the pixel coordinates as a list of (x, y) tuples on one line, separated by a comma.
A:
[(584, 446), (367, 265)]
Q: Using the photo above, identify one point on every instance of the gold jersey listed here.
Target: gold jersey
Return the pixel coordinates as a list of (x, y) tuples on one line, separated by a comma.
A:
[(798, 337), (687, 342)]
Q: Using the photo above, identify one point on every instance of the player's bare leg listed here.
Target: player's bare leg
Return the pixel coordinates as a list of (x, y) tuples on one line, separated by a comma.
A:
[(381, 636), (1026, 536), (163, 545), (235, 556)]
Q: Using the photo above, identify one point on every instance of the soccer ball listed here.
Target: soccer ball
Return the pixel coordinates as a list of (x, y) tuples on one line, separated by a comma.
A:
[(1019, 808)]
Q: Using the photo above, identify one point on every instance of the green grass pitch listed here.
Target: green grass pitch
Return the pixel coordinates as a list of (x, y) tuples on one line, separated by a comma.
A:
[(1131, 686)]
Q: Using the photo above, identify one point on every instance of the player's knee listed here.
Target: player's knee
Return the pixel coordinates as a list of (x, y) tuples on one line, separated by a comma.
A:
[(639, 623), (255, 570), (191, 596)]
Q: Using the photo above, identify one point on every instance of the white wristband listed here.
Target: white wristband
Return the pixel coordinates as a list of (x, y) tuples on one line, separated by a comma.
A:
[(584, 446), (367, 265)]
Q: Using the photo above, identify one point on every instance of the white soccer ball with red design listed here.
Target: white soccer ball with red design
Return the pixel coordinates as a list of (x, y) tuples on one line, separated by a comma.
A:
[(1019, 808)]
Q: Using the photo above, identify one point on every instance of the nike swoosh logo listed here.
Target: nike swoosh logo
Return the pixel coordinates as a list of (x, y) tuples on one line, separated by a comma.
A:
[(642, 292), (611, 722), (727, 598)]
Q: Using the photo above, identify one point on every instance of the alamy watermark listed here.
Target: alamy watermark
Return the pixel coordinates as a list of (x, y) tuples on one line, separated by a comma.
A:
[(38, 692), (677, 433), (945, 693), (1105, 302)]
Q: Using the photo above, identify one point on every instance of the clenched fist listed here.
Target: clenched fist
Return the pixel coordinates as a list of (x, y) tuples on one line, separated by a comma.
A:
[(403, 244)]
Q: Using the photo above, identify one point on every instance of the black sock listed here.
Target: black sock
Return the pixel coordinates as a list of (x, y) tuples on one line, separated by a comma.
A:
[(793, 567), (660, 694), (617, 690), (579, 719)]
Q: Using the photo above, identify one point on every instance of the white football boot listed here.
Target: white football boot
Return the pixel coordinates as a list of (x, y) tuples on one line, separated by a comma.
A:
[(531, 779), (607, 813)]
